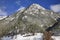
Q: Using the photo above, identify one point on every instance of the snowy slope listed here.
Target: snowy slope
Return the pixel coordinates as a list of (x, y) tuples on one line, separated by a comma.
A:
[(38, 36), (2, 17)]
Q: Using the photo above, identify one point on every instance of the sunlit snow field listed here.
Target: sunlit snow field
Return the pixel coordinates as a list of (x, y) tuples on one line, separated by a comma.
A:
[(38, 36)]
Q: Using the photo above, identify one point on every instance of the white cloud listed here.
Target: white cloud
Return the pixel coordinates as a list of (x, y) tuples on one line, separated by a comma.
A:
[(3, 13), (21, 8), (55, 8), (18, 2)]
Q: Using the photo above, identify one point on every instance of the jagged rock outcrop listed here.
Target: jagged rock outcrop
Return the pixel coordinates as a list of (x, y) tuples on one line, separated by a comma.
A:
[(34, 14)]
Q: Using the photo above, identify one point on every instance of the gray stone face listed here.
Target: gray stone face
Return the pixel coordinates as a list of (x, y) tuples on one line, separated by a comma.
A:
[(34, 14)]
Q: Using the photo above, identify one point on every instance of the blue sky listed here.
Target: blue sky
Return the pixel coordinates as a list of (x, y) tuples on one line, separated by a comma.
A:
[(8, 7)]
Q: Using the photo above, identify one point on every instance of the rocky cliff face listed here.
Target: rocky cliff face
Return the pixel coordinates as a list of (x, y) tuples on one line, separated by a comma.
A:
[(34, 15)]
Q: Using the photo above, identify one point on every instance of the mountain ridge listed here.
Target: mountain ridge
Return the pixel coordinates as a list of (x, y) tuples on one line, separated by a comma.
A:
[(33, 15)]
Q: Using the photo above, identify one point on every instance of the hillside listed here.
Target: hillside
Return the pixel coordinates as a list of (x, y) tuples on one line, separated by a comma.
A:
[(35, 18)]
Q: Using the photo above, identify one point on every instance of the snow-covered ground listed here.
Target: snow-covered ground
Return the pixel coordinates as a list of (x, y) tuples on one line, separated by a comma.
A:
[(56, 37), (38, 36)]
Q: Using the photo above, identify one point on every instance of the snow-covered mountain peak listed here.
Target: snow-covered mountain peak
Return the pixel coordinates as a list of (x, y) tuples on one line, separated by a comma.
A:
[(34, 16), (34, 5)]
